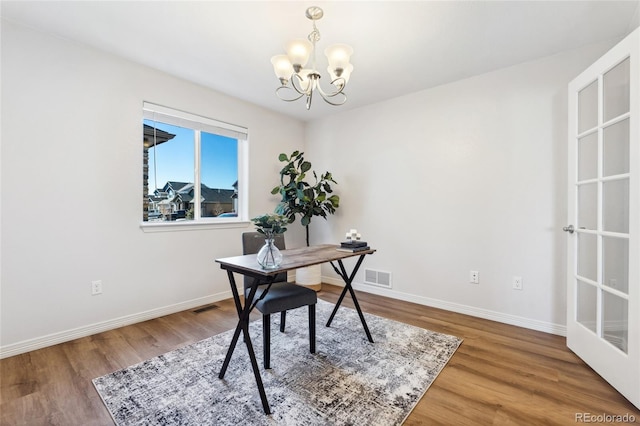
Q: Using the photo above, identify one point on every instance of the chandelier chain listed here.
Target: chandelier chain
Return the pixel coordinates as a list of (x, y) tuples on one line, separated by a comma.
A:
[(314, 36)]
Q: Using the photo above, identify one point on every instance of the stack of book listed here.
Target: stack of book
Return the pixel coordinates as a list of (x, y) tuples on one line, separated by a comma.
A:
[(353, 246)]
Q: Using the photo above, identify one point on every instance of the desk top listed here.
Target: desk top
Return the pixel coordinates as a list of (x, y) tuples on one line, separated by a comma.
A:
[(291, 259)]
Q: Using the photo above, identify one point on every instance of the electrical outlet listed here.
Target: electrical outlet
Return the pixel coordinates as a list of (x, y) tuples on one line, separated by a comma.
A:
[(474, 277), (517, 283), (96, 287)]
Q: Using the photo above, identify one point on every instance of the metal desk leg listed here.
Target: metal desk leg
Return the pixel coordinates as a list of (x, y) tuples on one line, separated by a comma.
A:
[(243, 325), (348, 279)]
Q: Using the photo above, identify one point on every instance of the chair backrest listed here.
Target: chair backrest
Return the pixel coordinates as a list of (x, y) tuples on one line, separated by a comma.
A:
[(252, 242)]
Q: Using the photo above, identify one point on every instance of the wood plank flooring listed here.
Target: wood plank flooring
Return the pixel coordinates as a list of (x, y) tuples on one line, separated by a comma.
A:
[(500, 375)]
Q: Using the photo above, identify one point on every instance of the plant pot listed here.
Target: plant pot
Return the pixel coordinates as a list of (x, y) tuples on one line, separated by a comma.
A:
[(311, 277)]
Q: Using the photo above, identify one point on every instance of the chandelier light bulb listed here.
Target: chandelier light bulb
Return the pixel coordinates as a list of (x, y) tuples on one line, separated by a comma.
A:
[(338, 56), (298, 52), (305, 81), (341, 79), (282, 67)]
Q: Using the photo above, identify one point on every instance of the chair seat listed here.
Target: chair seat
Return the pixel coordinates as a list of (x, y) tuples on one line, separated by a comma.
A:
[(283, 296)]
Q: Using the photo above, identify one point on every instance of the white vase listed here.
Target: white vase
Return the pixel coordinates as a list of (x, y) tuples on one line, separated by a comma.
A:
[(311, 277)]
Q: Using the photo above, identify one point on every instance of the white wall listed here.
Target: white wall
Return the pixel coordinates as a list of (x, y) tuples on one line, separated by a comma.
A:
[(72, 186), (470, 175), (465, 176)]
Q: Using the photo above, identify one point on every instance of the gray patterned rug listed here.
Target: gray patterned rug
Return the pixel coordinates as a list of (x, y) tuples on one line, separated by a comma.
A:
[(349, 381)]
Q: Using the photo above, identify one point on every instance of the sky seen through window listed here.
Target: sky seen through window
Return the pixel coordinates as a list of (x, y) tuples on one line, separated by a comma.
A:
[(174, 160)]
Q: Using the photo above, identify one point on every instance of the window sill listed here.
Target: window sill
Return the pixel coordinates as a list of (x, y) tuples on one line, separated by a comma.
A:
[(191, 226)]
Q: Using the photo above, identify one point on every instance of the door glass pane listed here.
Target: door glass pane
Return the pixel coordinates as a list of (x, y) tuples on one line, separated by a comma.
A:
[(586, 308), (615, 314), (587, 203), (588, 107), (615, 206), (588, 157), (615, 253), (616, 91), (616, 148), (587, 256)]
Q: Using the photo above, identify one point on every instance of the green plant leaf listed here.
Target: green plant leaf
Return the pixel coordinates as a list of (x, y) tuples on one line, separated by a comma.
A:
[(309, 194), (270, 224), (301, 198)]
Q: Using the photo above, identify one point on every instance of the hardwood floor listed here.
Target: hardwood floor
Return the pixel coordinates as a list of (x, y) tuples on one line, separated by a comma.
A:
[(500, 375)]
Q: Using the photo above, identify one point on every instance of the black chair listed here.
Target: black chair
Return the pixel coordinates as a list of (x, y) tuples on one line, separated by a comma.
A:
[(282, 296)]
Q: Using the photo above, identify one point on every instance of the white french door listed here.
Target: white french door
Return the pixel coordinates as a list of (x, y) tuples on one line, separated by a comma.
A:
[(603, 282)]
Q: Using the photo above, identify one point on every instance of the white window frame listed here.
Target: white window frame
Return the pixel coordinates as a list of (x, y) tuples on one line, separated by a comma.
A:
[(199, 123)]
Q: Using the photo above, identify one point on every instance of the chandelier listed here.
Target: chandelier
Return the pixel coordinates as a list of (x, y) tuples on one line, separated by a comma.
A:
[(298, 81)]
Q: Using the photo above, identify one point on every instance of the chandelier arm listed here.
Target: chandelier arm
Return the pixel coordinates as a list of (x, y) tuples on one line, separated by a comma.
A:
[(295, 87), (342, 85), (337, 92), (334, 103), (286, 99), (328, 96)]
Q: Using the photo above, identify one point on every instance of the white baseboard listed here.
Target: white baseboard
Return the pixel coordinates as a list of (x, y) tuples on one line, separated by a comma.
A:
[(560, 330), (88, 330)]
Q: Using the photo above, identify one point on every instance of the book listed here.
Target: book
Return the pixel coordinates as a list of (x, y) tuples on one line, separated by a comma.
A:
[(353, 244), (353, 250)]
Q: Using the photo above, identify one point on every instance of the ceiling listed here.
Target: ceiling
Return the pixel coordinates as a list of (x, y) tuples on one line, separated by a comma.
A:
[(400, 47)]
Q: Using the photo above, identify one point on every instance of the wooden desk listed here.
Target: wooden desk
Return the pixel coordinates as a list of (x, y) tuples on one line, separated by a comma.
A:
[(292, 259)]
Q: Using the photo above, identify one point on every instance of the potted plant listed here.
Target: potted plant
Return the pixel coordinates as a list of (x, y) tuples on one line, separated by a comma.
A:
[(269, 225), (306, 199)]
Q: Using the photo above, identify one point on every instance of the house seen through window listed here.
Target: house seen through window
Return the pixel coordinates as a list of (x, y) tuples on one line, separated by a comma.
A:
[(191, 167)]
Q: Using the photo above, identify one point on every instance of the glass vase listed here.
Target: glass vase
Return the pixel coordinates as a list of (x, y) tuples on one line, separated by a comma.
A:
[(269, 256)]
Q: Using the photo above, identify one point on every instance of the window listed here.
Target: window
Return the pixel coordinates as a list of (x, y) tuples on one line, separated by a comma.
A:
[(193, 168)]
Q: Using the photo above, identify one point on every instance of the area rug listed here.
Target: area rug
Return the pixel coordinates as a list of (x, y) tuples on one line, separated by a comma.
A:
[(348, 381)]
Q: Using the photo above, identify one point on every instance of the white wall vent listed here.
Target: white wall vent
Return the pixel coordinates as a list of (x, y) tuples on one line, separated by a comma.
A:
[(378, 278)]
